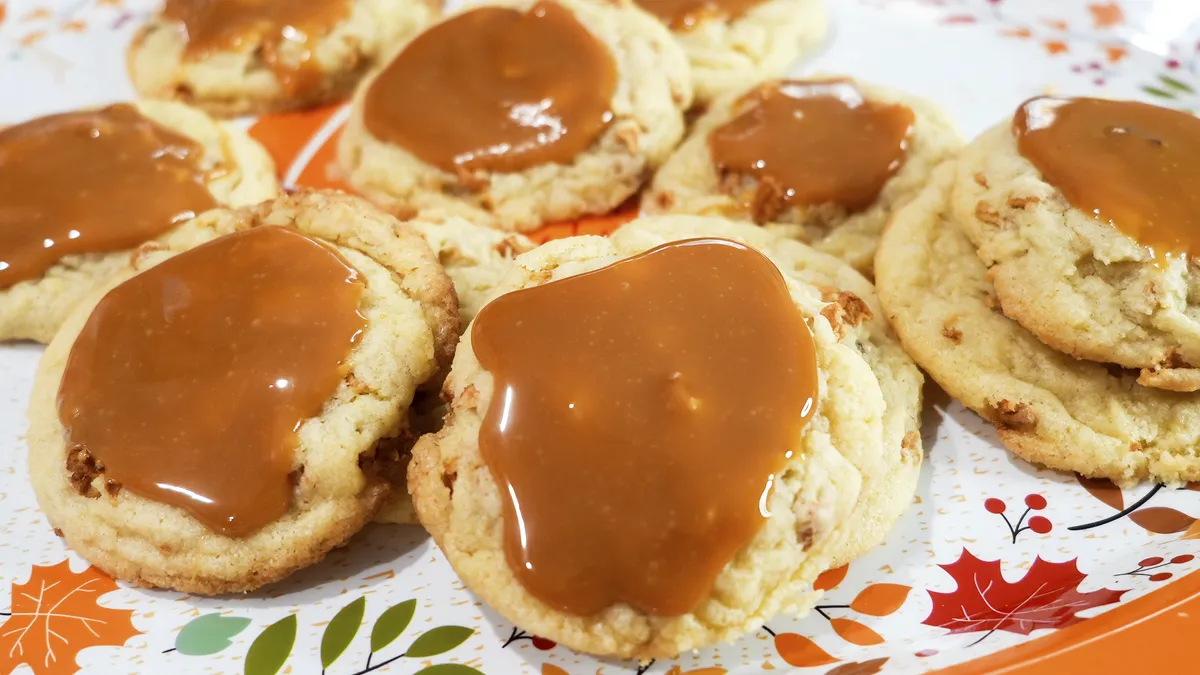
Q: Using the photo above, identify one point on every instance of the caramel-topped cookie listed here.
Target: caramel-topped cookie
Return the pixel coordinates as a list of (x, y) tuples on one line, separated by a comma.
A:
[(268, 318), (225, 416), (732, 43), (1086, 214), (56, 170), (649, 520), (825, 161), (79, 190), (1047, 406), (652, 542), (809, 143), (233, 57), (518, 114), (533, 88)]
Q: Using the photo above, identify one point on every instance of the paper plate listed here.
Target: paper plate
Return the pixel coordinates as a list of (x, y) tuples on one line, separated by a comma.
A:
[(998, 567)]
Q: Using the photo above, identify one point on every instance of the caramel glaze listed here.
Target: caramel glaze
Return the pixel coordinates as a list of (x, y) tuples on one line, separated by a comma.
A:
[(267, 26), (495, 89), (91, 181), (639, 416), (811, 143), (189, 382), (1134, 165), (683, 15)]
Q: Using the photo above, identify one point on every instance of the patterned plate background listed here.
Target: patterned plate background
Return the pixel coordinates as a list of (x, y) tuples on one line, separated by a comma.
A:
[(993, 552)]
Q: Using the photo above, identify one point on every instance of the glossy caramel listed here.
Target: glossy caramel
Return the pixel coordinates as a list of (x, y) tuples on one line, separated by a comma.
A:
[(819, 142), (639, 415), (496, 89), (1134, 165), (682, 15), (91, 181), (189, 381), (267, 26)]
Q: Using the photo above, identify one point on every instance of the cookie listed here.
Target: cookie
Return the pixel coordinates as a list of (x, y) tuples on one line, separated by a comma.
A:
[(236, 171), (889, 480), (343, 458), (692, 181), (457, 500), (1079, 284), (1048, 408), (237, 59), (462, 154), (475, 257), (758, 41)]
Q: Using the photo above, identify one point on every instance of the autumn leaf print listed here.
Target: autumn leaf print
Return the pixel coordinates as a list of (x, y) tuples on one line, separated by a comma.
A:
[(1048, 596), (55, 615)]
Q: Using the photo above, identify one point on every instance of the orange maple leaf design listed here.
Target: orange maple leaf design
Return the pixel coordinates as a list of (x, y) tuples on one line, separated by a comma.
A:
[(1055, 46), (1106, 14), (55, 615)]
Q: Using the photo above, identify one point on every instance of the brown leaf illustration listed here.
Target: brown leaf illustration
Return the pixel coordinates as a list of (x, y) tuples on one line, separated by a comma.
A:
[(55, 615), (1104, 490), (1192, 532), (1162, 520)]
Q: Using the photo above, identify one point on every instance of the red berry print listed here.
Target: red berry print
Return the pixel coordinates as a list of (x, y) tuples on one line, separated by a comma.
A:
[(1180, 559), (1040, 525), (1035, 502), (1150, 562), (994, 505), (543, 644), (1161, 576)]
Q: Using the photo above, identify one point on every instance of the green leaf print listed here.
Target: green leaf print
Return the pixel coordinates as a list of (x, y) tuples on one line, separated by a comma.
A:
[(438, 641), (1176, 84), (341, 630), (449, 669), (391, 624), (1155, 91), (271, 648), (209, 634)]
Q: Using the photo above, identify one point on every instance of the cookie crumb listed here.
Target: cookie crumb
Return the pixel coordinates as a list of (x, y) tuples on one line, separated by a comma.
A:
[(986, 214), (1012, 416), (388, 459), (509, 247), (1022, 202), (469, 398), (981, 180), (910, 448), (845, 309), (952, 333), (805, 537), (767, 202), (628, 136), (665, 200), (84, 468)]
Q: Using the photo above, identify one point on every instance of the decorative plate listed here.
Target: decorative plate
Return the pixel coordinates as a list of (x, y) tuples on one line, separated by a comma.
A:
[(998, 567)]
